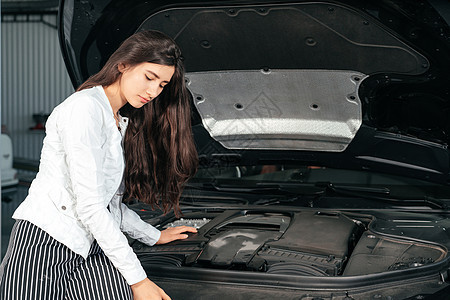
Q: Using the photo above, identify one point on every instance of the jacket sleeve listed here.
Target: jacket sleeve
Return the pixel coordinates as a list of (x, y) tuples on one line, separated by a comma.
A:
[(81, 135), (136, 228)]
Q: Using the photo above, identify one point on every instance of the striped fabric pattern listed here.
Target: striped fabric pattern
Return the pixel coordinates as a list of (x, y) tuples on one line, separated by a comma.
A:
[(37, 267)]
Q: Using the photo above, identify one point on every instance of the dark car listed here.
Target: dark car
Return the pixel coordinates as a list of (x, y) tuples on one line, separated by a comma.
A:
[(322, 129)]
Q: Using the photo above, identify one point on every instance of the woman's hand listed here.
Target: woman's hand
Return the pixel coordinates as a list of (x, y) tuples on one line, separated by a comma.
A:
[(147, 290), (175, 233)]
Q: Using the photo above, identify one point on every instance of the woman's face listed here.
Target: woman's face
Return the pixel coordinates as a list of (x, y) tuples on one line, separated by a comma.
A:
[(142, 83)]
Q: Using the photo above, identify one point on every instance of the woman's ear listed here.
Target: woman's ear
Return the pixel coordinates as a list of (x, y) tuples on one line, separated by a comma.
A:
[(121, 67)]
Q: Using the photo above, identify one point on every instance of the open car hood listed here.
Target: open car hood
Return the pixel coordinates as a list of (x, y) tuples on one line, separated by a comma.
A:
[(352, 84)]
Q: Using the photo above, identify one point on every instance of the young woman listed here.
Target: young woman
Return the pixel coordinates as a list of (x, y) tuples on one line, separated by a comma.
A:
[(67, 242)]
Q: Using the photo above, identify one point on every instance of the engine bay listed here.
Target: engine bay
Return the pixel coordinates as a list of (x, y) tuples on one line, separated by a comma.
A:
[(303, 243)]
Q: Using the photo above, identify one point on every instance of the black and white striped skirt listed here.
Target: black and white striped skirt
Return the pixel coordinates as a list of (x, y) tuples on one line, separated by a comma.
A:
[(36, 266)]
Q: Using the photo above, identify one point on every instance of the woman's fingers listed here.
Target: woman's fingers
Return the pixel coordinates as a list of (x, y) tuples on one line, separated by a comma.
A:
[(180, 229), (148, 290), (175, 233), (164, 296)]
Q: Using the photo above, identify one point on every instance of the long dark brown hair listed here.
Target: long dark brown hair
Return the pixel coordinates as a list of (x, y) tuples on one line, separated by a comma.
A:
[(160, 154)]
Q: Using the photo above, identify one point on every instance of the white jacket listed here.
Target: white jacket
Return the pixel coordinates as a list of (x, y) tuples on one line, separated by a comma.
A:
[(79, 176)]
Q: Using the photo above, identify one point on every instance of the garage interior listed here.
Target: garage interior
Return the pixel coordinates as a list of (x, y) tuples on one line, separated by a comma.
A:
[(33, 81)]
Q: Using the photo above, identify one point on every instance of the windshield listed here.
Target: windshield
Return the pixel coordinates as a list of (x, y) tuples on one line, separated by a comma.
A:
[(316, 185), (305, 174)]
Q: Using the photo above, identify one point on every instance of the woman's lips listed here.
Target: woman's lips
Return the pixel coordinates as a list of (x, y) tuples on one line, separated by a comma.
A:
[(144, 100)]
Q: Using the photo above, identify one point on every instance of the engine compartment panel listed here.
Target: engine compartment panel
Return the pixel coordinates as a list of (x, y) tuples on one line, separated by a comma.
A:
[(303, 243)]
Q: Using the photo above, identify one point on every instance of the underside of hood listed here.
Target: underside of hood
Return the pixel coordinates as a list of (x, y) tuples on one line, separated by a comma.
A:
[(341, 83)]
